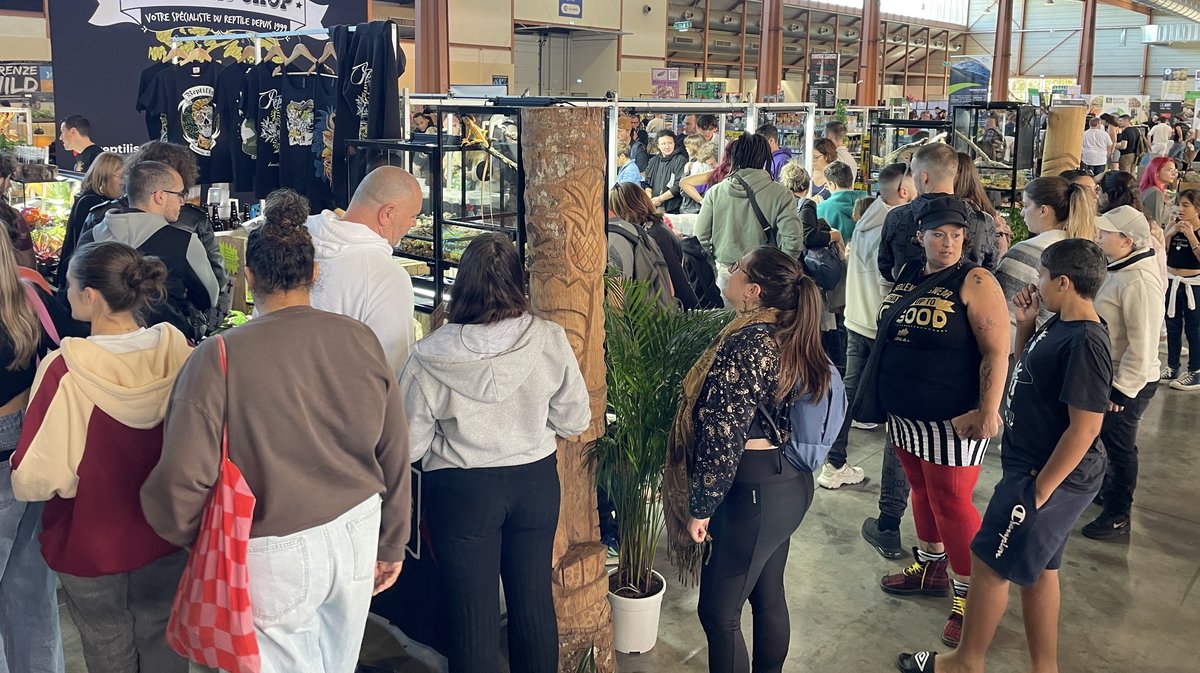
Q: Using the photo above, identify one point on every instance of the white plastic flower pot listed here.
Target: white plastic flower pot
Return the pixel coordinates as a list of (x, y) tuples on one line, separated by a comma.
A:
[(635, 620)]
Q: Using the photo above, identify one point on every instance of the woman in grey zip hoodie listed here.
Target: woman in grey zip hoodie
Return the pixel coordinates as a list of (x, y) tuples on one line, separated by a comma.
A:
[(486, 396)]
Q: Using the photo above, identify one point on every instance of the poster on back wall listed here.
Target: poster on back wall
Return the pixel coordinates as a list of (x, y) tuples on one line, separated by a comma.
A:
[(969, 79), (1137, 107), (664, 83), (100, 49), (823, 81), (1175, 83)]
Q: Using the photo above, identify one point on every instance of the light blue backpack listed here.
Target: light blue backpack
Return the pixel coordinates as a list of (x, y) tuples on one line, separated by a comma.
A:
[(815, 425)]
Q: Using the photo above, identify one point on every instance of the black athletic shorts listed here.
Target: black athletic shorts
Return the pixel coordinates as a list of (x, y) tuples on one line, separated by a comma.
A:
[(1019, 541)]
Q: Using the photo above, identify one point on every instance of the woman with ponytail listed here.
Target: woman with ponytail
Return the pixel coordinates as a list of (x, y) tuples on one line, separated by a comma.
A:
[(1054, 209), (741, 494), (316, 425), (93, 431)]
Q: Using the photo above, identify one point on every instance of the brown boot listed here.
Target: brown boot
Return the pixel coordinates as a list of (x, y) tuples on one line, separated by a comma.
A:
[(921, 578)]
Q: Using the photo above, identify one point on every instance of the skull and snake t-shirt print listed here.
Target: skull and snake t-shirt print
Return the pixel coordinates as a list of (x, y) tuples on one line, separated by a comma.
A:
[(184, 96)]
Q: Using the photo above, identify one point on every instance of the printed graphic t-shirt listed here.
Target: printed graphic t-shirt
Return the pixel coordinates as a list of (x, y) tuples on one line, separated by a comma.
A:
[(156, 124), (234, 159), (184, 95), (1065, 364), (264, 104), (84, 159), (295, 143)]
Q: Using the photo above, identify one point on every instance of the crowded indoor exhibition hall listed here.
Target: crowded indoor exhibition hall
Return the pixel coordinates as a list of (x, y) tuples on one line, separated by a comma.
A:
[(599, 336)]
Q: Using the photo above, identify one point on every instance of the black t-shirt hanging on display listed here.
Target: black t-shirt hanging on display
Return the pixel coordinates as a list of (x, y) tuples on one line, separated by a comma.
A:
[(373, 79), (295, 145), (1066, 363), (344, 112), (156, 124), (320, 184), (233, 162), (185, 95), (264, 98), (369, 100)]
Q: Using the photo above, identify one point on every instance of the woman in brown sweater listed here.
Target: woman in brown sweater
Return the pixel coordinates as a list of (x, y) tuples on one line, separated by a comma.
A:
[(316, 425)]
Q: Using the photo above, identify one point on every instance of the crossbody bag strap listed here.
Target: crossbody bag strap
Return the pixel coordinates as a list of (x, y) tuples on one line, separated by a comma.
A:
[(39, 307), (224, 375), (762, 219)]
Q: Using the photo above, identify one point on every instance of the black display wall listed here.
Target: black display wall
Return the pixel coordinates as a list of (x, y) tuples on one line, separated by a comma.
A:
[(100, 48)]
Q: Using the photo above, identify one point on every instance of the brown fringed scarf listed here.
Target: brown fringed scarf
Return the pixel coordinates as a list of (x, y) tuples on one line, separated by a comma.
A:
[(686, 555)]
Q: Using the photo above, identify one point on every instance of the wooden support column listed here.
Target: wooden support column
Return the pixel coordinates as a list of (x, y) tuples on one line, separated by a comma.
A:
[(1063, 148), (742, 60), (807, 52), (707, 9), (837, 77), (1087, 45), (1002, 51), (770, 50), (433, 46), (565, 182), (928, 53), (869, 78)]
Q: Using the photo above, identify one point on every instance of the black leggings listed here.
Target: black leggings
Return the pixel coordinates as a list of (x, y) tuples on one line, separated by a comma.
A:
[(488, 523), (751, 531)]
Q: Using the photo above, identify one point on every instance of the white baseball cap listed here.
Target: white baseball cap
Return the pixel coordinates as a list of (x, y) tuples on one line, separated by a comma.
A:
[(1125, 220)]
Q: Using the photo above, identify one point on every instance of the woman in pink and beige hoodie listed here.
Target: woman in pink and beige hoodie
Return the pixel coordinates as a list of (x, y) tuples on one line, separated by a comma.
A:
[(93, 431)]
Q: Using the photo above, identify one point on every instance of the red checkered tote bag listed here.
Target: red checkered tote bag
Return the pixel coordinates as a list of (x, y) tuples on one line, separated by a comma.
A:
[(211, 621)]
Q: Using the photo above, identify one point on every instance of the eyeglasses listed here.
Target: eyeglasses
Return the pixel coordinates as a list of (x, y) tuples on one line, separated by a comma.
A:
[(735, 267), (181, 194)]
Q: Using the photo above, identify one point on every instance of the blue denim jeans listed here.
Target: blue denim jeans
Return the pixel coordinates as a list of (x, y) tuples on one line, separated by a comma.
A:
[(311, 592), (29, 635)]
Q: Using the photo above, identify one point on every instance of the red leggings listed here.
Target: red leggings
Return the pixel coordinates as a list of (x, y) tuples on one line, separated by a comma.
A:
[(942, 507)]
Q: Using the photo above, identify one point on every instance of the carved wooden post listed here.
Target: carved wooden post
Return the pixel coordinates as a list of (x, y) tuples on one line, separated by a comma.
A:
[(563, 154), (1063, 149)]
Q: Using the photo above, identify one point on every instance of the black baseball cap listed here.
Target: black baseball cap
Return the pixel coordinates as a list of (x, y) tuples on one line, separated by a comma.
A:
[(933, 213)]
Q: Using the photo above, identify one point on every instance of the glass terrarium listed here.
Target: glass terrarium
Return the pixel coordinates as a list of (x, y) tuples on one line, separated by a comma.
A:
[(470, 183), (999, 137), (896, 140)]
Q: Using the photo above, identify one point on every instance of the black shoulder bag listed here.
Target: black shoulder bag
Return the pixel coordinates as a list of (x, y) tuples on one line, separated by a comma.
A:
[(762, 219), (866, 407)]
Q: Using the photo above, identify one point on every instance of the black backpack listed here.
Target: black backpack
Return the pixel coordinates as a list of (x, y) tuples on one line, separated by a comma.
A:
[(701, 273)]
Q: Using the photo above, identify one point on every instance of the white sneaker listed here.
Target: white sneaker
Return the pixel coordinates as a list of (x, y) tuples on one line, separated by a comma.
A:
[(831, 477), (1186, 381), (863, 426)]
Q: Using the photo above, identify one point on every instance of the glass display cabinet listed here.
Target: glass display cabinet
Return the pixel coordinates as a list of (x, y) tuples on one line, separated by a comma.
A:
[(1000, 137), (471, 183), (895, 140), (46, 206)]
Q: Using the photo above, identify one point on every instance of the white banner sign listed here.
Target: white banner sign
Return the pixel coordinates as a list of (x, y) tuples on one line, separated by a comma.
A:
[(294, 13)]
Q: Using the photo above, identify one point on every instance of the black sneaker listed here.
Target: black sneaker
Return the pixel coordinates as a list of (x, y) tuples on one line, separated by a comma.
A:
[(1107, 527), (886, 542)]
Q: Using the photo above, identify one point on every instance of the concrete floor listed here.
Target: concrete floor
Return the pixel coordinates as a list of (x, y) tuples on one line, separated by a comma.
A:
[(1128, 606)]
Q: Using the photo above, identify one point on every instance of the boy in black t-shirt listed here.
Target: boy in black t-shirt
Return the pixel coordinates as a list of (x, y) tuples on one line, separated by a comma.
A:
[(1052, 458)]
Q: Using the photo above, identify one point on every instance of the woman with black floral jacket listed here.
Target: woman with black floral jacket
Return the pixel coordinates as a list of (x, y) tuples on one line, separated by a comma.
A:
[(742, 490)]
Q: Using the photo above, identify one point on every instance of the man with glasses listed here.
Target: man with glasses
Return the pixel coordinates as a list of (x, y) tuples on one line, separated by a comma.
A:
[(155, 194)]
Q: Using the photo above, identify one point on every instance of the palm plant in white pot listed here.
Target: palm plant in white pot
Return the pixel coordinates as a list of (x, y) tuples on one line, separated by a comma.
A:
[(649, 349)]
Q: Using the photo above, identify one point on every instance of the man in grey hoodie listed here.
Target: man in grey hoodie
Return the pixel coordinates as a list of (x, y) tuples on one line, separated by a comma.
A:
[(156, 194)]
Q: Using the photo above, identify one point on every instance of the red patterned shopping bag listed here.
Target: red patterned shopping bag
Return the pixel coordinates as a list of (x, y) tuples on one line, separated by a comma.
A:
[(211, 621)]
